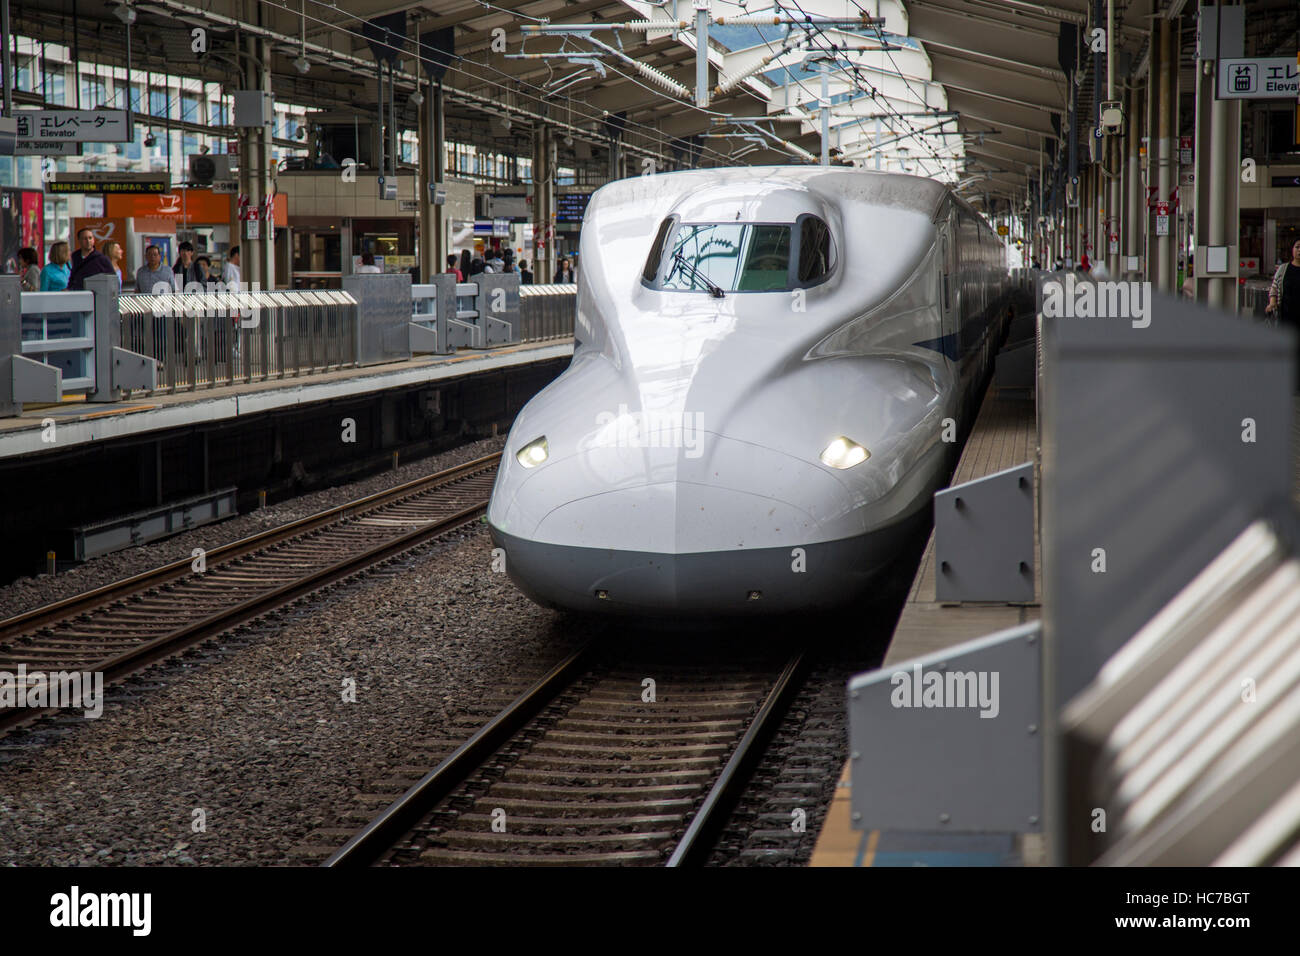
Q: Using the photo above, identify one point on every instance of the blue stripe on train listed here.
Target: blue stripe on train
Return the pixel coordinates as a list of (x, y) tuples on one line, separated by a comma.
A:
[(946, 345)]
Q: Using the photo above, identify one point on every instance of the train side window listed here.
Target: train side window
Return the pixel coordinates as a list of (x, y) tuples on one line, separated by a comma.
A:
[(815, 254), (651, 270)]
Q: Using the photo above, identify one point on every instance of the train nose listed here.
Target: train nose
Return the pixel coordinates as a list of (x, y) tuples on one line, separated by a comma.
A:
[(732, 494), (668, 533)]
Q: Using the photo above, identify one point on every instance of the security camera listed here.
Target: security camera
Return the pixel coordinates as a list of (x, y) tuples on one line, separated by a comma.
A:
[(302, 64), (126, 13), (416, 98), (150, 139)]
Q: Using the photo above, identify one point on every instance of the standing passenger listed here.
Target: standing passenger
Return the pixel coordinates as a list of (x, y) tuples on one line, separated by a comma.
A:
[(203, 271), (231, 275), (451, 268), (54, 277), (29, 264), (153, 277), (564, 274), (1284, 295), (94, 263), (85, 246), (185, 267), (116, 256)]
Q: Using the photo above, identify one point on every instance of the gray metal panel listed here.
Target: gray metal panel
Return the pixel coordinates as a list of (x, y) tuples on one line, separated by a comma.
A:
[(445, 309), (948, 767), (108, 335), (423, 338), (1143, 457), (133, 370), (500, 325), (105, 537), (33, 381), (383, 313), (11, 340), (984, 538)]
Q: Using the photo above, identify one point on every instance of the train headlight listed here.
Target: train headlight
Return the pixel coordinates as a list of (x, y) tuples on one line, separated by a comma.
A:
[(844, 453), (533, 454)]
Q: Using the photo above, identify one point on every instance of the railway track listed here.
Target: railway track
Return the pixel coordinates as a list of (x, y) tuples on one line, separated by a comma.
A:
[(583, 769), (124, 626)]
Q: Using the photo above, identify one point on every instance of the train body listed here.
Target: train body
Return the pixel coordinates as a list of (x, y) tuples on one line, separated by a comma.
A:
[(770, 365)]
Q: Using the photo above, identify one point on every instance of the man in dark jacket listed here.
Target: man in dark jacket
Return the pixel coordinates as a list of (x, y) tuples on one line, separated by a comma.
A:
[(85, 246), (94, 264), (186, 267)]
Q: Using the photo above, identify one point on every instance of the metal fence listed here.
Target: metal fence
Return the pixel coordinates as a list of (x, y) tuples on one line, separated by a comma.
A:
[(58, 329), (546, 311), (104, 344), (212, 339)]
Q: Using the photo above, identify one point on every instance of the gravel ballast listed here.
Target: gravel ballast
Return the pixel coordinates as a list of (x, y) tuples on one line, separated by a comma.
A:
[(256, 734)]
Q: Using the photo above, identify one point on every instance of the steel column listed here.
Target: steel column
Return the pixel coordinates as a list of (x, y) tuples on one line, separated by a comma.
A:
[(1134, 196)]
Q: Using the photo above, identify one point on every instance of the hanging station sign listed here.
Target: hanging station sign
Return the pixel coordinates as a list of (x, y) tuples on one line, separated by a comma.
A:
[(1261, 78), (73, 126)]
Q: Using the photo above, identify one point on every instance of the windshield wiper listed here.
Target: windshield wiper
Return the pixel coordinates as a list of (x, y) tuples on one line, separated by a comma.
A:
[(714, 290)]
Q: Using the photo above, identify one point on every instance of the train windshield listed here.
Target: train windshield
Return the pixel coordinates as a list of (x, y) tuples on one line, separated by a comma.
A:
[(740, 256)]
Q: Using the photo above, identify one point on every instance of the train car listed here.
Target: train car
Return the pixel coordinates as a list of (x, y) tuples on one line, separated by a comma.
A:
[(770, 367)]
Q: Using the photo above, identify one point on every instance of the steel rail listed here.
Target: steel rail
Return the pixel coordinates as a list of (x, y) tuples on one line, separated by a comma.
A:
[(379, 835), (88, 600), (707, 824), (141, 655)]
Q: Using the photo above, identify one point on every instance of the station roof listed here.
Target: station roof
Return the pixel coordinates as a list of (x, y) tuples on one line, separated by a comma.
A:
[(968, 91)]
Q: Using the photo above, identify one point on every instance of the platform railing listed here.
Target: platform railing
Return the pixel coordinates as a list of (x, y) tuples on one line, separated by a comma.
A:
[(546, 311), (209, 339), (103, 344), (492, 309), (58, 329)]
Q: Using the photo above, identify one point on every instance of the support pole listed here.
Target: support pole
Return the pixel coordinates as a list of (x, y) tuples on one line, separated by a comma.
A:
[(826, 113), (8, 67), (256, 178), (1134, 202), (702, 53), (433, 251), (1165, 277), (1115, 203), (439, 121)]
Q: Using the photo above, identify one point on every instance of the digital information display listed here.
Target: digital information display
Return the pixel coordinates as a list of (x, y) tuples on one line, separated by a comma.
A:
[(571, 207)]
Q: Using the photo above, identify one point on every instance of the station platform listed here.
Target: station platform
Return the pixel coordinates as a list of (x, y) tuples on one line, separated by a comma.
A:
[(1004, 436), (81, 423)]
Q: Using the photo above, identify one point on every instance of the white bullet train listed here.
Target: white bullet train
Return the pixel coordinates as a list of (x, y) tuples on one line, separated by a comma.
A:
[(765, 359)]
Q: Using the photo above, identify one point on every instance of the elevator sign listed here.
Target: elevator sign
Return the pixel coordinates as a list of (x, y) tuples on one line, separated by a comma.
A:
[(42, 127), (1262, 78)]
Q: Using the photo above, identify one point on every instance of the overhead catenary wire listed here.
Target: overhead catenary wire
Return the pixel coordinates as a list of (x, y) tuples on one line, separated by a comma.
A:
[(541, 95)]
